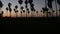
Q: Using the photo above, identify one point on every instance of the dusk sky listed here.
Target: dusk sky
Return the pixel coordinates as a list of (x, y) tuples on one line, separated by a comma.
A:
[(38, 4)]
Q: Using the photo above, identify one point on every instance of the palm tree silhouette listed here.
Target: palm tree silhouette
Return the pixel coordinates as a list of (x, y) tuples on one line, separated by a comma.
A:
[(26, 2), (32, 6), (1, 5), (53, 13), (22, 10), (56, 7), (30, 2), (28, 10), (20, 2), (10, 11), (9, 5), (45, 9), (26, 6), (50, 4), (37, 13), (58, 1), (7, 9), (16, 11), (16, 7)]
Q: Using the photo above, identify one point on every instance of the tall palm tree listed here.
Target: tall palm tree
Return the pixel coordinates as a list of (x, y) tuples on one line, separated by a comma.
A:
[(1, 5), (56, 7), (37, 13), (58, 1), (45, 9), (7, 9), (26, 2), (30, 2), (9, 5), (28, 10), (21, 9), (31, 6), (20, 2), (26, 6), (50, 4), (10, 11), (16, 11)]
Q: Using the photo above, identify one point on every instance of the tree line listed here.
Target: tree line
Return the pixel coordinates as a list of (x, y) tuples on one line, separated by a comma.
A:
[(48, 3)]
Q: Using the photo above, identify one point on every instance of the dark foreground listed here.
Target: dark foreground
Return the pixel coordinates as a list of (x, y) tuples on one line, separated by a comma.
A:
[(30, 24), (32, 20)]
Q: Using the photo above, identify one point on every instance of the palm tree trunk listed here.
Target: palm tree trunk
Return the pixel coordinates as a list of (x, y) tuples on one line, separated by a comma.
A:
[(32, 14), (56, 7), (10, 14), (26, 13), (16, 15)]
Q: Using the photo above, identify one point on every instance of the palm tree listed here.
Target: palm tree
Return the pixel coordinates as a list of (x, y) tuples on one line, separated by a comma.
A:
[(45, 9), (16, 11), (37, 13), (53, 13), (56, 7), (50, 4), (1, 5), (31, 6), (30, 1), (1, 14), (28, 10), (20, 2), (16, 7), (9, 5), (10, 11), (26, 2), (26, 6), (58, 1), (7, 9), (21, 9)]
